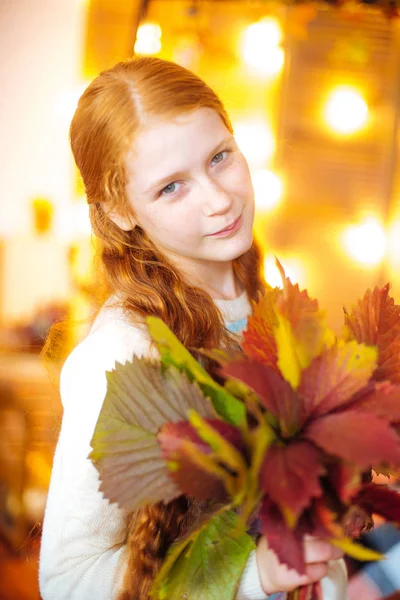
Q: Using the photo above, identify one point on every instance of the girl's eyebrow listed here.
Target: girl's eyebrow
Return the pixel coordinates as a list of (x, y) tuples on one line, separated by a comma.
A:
[(160, 183)]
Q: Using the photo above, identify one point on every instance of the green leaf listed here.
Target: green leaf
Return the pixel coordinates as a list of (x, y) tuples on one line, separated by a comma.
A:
[(174, 353), (140, 398), (208, 564)]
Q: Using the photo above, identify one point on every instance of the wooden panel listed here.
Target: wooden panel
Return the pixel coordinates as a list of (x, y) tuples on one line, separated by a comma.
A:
[(320, 166), (110, 33)]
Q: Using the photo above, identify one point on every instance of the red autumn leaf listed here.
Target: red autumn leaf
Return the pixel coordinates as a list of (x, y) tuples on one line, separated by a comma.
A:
[(290, 476), (380, 500), (375, 320), (190, 477), (302, 312), (356, 436), (258, 339), (345, 479), (275, 393), (285, 542), (383, 400), (356, 521), (323, 521), (335, 376)]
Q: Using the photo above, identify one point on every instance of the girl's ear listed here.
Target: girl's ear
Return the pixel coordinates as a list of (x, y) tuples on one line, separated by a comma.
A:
[(123, 221)]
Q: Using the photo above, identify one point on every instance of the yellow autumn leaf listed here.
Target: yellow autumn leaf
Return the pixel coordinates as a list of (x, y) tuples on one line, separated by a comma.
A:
[(355, 550), (296, 350)]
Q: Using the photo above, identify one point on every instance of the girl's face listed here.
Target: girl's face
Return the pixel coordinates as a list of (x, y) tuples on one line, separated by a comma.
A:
[(190, 189)]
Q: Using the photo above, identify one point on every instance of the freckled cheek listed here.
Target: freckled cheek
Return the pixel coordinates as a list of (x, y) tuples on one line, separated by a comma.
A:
[(178, 225), (239, 182)]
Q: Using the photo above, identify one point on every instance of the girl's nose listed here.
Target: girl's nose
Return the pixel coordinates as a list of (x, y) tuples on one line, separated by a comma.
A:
[(217, 200)]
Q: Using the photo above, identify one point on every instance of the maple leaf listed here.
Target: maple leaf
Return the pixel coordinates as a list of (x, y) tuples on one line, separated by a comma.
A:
[(355, 521), (274, 392), (211, 446), (356, 436), (286, 542), (258, 338), (375, 320), (383, 399), (301, 334), (182, 448), (379, 499), (335, 376), (290, 476), (140, 398), (345, 478)]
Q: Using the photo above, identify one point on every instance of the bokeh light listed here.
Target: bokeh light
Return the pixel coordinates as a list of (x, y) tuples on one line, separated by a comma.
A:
[(346, 111), (148, 39), (256, 141), (366, 242), (294, 269), (394, 243), (260, 47), (268, 189)]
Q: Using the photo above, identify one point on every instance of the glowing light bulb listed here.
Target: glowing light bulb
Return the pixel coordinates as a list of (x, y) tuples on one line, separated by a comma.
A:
[(293, 269), (148, 39), (268, 189), (366, 242), (256, 142), (346, 110), (260, 47)]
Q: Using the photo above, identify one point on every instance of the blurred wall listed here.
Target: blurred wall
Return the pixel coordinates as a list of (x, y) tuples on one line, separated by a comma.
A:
[(41, 47)]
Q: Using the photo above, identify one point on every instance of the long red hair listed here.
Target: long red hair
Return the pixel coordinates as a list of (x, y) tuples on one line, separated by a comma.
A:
[(103, 129)]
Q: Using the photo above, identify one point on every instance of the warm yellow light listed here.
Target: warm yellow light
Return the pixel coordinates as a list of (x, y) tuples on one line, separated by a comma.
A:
[(260, 47), (292, 266), (394, 243), (148, 39), (256, 142), (346, 110), (268, 189), (366, 242)]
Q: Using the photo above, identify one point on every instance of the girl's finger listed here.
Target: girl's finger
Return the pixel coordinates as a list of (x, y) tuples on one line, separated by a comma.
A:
[(317, 551)]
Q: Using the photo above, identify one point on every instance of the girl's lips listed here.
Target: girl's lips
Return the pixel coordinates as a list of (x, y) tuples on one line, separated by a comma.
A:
[(230, 229)]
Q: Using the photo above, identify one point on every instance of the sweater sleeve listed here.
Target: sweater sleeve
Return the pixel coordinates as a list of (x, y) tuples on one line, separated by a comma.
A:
[(334, 585), (82, 553)]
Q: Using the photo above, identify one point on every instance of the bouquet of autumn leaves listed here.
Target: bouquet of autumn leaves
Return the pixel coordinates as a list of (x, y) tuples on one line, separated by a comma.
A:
[(285, 432)]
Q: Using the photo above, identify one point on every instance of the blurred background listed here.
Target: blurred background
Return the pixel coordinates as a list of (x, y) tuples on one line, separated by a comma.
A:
[(313, 90)]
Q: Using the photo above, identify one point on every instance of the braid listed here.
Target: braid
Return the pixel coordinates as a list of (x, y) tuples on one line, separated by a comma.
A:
[(151, 532)]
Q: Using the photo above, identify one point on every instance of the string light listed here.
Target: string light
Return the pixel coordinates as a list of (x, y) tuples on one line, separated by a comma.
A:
[(366, 242), (260, 47), (346, 111), (268, 189), (148, 39)]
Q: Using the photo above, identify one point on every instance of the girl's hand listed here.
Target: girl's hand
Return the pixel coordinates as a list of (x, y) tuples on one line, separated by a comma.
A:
[(276, 577)]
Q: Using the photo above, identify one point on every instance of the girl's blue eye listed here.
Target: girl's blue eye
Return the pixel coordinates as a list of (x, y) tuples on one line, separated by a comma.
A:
[(219, 157), (169, 189)]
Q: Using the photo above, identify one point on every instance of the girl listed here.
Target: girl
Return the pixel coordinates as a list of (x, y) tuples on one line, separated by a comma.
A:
[(172, 204)]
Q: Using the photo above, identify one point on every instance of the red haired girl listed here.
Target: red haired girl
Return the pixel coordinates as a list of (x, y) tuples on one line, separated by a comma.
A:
[(172, 204)]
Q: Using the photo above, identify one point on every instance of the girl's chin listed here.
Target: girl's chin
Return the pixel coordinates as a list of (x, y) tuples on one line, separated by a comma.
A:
[(232, 249)]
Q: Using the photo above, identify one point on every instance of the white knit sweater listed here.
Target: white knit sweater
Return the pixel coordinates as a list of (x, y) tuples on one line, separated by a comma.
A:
[(82, 552)]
